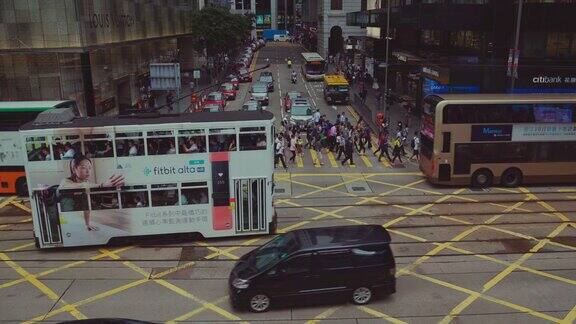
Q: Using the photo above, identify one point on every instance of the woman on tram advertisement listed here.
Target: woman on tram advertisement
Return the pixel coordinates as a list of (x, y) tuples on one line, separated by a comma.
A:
[(81, 169)]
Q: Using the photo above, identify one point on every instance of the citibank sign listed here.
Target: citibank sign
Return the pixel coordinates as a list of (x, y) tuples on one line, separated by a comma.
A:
[(553, 80)]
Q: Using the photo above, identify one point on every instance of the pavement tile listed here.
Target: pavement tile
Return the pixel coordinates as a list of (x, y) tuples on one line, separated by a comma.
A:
[(149, 301), (536, 292), (25, 301)]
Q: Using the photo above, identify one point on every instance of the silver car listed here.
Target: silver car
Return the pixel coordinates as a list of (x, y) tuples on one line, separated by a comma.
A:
[(259, 92), (301, 110), (252, 105)]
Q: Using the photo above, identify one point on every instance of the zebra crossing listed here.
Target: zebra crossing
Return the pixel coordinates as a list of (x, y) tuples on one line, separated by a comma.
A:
[(311, 160)]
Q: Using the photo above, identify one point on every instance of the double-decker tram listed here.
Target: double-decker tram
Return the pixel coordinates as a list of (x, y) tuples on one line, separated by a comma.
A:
[(117, 176), (505, 139)]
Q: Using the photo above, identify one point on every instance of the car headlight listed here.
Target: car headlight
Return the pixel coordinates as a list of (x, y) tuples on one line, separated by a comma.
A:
[(240, 283)]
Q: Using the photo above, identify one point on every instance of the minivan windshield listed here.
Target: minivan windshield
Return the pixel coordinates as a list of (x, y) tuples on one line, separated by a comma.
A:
[(274, 251)]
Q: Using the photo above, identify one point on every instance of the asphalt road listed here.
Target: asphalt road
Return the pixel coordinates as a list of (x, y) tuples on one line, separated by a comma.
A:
[(464, 256)]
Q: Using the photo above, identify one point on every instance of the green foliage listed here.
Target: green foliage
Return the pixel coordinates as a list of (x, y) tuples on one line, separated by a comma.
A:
[(218, 30)]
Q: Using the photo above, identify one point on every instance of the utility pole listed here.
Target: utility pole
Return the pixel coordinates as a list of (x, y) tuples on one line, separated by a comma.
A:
[(516, 44), (383, 99)]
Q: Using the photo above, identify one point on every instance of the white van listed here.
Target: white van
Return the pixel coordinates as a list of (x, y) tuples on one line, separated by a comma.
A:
[(281, 38)]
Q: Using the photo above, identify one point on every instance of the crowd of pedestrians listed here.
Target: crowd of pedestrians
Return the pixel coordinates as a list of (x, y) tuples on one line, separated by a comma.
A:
[(343, 138)]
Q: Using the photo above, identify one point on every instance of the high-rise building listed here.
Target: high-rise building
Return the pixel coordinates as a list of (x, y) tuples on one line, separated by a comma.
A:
[(96, 52), (469, 46)]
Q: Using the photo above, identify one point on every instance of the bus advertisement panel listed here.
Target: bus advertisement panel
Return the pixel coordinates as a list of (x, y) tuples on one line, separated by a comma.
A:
[(486, 139), (211, 178)]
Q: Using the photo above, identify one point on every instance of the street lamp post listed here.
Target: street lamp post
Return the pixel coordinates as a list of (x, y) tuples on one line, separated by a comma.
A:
[(383, 100), (513, 75)]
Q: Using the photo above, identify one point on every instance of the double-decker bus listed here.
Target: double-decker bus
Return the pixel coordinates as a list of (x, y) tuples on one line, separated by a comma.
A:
[(314, 66), (118, 176), (507, 139), (14, 114)]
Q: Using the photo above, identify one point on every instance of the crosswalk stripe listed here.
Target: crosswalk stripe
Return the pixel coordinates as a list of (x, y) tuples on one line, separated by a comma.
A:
[(299, 162), (366, 161), (314, 158), (332, 160)]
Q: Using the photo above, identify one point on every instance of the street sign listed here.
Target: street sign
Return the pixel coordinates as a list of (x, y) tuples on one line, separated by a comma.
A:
[(196, 74), (510, 61), (516, 59), (165, 76)]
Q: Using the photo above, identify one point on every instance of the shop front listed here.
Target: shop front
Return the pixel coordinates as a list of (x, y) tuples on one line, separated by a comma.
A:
[(545, 79)]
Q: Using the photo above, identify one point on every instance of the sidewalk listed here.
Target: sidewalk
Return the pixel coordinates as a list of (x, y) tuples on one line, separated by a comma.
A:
[(395, 113)]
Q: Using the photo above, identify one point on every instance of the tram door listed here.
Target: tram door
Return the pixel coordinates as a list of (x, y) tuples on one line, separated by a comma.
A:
[(250, 205)]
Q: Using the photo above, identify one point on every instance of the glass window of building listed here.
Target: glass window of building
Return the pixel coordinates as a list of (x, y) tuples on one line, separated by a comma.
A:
[(431, 37), (467, 39), (335, 4), (561, 45)]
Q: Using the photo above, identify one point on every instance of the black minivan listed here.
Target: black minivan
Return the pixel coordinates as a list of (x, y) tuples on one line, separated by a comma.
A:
[(352, 261)]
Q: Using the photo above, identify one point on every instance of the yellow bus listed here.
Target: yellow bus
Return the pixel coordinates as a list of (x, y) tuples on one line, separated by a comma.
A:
[(506, 139), (336, 89)]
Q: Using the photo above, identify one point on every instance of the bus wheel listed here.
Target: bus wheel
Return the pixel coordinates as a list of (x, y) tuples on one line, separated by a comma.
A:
[(482, 178), (22, 187), (511, 178)]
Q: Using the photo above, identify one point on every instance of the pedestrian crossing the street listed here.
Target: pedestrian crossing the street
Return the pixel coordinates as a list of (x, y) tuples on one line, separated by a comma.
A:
[(310, 159)]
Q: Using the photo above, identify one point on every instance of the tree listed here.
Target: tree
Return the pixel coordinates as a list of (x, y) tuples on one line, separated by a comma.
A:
[(219, 31)]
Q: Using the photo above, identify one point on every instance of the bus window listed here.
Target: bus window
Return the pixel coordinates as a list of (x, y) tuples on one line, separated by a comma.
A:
[(191, 141), (65, 147), (194, 193), (252, 138), (134, 197), (37, 149), (104, 198), (98, 146), (222, 140), (164, 195), (161, 143), (129, 144), (73, 200)]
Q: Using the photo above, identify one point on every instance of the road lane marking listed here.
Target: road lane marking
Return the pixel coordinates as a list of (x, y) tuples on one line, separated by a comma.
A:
[(315, 160), (325, 314), (7, 201), (366, 161), (195, 311), (299, 161), (332, 159), (381, 315)]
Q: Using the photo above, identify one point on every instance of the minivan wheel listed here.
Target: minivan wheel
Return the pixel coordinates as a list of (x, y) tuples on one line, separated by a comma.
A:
[(259, 303), (511, 178), (362, 296)]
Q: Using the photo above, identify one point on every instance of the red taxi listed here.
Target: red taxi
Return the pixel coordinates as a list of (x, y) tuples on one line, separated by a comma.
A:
[(228, 90)]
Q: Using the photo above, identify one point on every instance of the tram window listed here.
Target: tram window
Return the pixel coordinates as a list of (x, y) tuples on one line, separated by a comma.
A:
[(129, 144), (37, 149), (191, 141), (73, 200), (134, 197), (98, 146), (65, 147), (253, 141), (164, 195), (104, 198), (194, 193), (222, 143), (161, 143)]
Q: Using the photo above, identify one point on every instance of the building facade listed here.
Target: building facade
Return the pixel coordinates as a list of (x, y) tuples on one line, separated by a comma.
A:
[(94, 51), (443, 46), (333, 31)]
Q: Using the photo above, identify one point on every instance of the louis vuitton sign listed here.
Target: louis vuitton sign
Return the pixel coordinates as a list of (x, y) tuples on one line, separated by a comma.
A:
[(108, 20)]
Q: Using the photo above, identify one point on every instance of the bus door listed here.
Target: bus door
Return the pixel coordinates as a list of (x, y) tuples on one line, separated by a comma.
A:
[(250, 205), (46, 204)]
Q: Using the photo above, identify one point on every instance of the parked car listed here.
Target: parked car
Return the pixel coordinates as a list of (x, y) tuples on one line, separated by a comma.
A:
[(244, 75), (231, 78), (216, 98), (267, 77), (212, 108), (289, 97), (301, 110), (355, 262), (281, 38), (259, 92), (252, 105), (228, 91)]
